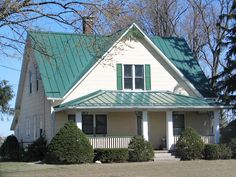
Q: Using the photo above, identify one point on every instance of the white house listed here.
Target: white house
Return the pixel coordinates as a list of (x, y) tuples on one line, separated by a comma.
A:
[(114, 87)]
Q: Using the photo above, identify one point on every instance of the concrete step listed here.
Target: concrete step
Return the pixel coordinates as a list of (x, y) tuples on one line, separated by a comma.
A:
[(164, 155)]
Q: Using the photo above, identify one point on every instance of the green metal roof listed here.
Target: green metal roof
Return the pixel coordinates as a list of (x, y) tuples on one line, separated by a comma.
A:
[(64, 58), (179, 53), (121, 99)]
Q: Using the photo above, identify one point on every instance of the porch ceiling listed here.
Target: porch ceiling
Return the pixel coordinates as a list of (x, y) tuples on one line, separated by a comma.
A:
[(122, 99)]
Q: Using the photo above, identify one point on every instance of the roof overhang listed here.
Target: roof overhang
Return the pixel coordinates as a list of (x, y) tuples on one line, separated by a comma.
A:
[(151, 108)]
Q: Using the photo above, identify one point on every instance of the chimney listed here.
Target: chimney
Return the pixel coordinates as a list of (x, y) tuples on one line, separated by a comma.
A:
[(88, 25)]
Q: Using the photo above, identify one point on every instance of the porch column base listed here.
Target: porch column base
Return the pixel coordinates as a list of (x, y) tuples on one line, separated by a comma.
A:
[(78, 119), (169, 130), (145, 125)]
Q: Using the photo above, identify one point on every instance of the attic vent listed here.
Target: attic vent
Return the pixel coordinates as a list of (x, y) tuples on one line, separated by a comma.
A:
[(88, 23)]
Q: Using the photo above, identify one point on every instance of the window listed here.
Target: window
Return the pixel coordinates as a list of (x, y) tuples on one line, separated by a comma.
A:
[(101, 124), (134, 77), (71, 117), (178, 123), (87, 124), (27, 127), (30, 82), (94, 124), (139, 77), (37, 81)]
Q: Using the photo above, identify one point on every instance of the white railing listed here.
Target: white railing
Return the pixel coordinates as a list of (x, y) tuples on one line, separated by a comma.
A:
[(110, 142), (209, 139)]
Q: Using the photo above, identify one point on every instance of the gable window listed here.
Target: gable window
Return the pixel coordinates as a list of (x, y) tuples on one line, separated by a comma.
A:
[(134, 77), (94, 124), (178, 123), (71, 117), (30, 82)]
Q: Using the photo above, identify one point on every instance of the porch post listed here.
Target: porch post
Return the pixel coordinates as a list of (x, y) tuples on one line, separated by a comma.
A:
[(78, 119), (145, 125), (216, 126), (169, 130)]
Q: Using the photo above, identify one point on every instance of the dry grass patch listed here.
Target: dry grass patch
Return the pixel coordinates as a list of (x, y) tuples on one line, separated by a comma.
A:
[(201, 168)]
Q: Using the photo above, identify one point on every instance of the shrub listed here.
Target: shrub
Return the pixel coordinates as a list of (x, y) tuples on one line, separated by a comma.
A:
[(232, 146), (69, 146), (9, 150), (224, 152), (111, 155), (189, 146), (37, 150), (212, 151), (229, 132), (140, 150)]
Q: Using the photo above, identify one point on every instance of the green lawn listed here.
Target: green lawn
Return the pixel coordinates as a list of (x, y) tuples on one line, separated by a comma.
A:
[(201, 168)]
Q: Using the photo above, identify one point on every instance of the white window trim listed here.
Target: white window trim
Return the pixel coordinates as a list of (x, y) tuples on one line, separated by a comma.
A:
[(133, 78)]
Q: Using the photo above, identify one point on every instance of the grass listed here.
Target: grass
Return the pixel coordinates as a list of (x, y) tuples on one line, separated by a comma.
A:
[(201, 168)]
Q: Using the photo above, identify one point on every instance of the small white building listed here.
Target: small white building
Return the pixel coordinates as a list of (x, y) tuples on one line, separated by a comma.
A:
[(114, 87)]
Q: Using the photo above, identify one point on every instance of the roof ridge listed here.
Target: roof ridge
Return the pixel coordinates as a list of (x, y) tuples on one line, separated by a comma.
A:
[(64, 33)]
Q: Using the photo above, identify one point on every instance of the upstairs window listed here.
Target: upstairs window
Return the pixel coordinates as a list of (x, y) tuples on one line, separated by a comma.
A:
[(30, 82), (37, 80), (134, 77)]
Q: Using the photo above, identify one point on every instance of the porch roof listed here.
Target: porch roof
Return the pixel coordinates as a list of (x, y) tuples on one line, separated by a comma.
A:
[(144, 99)]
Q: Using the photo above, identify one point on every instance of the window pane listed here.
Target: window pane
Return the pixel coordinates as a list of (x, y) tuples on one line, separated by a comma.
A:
[(178, 123), (87, 124), (128, 70), (139, 83), (101, 124), (71, 117), (139, 71), (128, 84)]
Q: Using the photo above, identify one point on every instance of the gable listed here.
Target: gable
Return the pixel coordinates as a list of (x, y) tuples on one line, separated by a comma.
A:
[(104, 75)]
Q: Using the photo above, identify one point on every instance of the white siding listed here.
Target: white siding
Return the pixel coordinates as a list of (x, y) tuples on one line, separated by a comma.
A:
[(103, 76), (34, 108)]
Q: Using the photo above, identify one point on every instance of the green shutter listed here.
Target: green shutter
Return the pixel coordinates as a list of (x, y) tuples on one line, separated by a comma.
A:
[(119, 76), (148, 77)]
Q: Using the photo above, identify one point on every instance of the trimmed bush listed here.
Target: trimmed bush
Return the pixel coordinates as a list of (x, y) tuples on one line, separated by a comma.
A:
[(225, 152), (189, 146), (69, 146), (228, 133), (36, 151), (140, 150), (111, 155), (232, 146), (10, 149), (212, 151)]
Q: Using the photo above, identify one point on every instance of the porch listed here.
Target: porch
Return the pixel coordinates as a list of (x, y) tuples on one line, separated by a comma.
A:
[(115, 129), (123, 142), (111, 118)]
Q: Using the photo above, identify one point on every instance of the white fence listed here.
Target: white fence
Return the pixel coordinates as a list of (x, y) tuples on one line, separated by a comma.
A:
[(210, 139), (109, 142)]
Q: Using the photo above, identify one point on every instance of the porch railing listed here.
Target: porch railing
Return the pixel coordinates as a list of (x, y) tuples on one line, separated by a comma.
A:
[(110, 142), (209, 139)]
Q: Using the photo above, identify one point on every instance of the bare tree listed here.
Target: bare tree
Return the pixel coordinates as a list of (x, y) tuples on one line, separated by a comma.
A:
[(18, 16)]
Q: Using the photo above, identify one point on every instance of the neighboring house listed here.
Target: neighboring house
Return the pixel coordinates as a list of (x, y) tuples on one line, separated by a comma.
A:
[(114, 87)]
